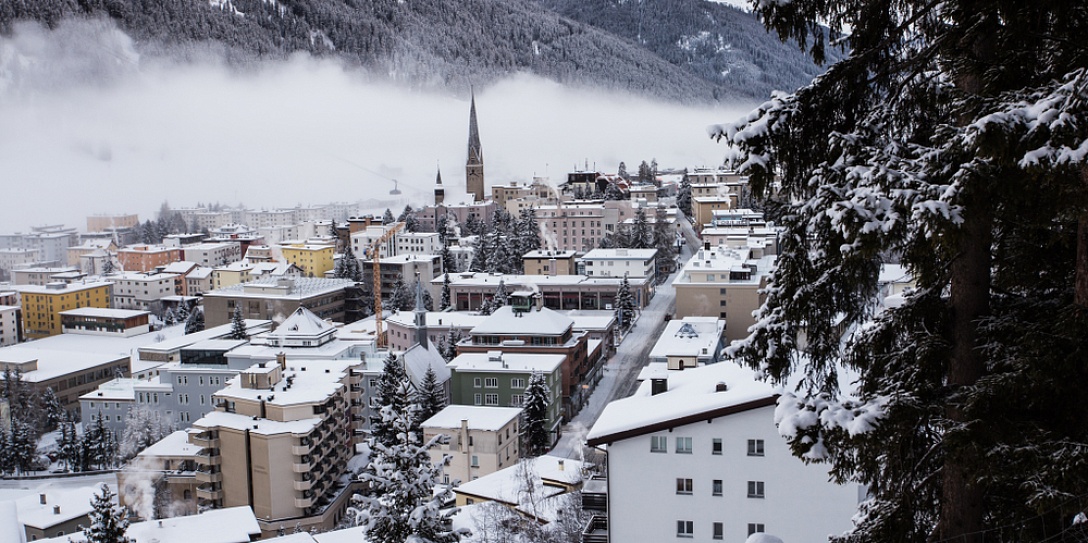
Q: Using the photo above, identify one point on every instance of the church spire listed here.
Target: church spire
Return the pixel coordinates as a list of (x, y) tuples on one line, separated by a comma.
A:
[(439, 190), (474, 166)]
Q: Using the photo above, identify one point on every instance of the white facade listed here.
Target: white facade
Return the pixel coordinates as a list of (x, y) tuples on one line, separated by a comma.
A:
[(142, 291), (617, 262), (714, 465), (9, 325), (213, 254), (419, 243)]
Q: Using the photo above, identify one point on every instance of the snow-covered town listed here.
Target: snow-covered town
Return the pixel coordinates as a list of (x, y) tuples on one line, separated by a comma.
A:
[(751, 271), (520, 365)]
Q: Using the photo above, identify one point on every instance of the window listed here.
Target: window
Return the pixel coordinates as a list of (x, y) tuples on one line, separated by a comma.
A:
[(477, 382), (683, 486), (477, 399), (491, 399), (683, 445), (659, 444), (491, 382), (755, 528), (755, 447), (517, 383), (716, 447), (755, 489), (719, 530), (685, 528), (517, 400), (717, 487), (475, 461)]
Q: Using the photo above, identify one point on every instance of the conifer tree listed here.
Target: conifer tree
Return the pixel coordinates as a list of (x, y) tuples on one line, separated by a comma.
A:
[(612, 192), (388, 394), (444, 302), (500, 298), (347, 266), (52, 413), (69, 447), (645, 173), (169, 318), (238, 325), (108, 522), (195, 322), (664, 238), (951, 138), (453, 338), (622, 170), (535, 433), (641, 234), (143, 428), (683, 197), (625, 304), (431, 397)]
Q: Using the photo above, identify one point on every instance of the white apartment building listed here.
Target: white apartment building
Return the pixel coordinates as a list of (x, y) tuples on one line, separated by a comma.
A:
[(211, 255), (111, 402), (725, 283), (15, 257), (143, 291), (269, 218), (620, 262), (419, 243), (10, 325), (361, 240), (703, 442), (198, 281)]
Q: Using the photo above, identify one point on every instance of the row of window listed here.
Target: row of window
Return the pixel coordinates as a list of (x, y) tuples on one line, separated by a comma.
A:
[(686, 528), (493, 382), (660, 444), (687, 486)]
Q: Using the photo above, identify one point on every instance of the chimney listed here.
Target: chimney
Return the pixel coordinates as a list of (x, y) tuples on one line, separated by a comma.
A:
[(41, 498), (721, 387), (56, 509), (706, 245), (281, 358), (659, 385), (562, 467), (464, 435)]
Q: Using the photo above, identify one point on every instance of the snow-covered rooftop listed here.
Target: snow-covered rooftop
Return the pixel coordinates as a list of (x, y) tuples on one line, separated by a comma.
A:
[(537, 322), (119, 389), (515, 281), (295, 288), (620, 254), (180, 267), (691, 394), (74, 503), (302, 324), (485, 418), (59, 288), (310, 383), (454, 319), (692, 336), (54, 363), (259, 426), (417, 360), (506, 485), (174, 445), (523, 362), (104, 312), (229, 525), (549, 253)]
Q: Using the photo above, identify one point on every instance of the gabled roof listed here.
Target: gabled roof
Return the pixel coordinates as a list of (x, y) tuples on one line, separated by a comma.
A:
[(692, 396), (417, 359), (302, 324), (537, 322)]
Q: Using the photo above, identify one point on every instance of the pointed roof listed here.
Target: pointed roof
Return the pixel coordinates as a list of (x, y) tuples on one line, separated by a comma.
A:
[(475, 150), (438, 179), (302, 325)]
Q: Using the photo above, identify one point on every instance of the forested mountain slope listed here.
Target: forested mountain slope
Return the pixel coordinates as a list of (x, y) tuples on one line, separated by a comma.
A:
[(437, 43)]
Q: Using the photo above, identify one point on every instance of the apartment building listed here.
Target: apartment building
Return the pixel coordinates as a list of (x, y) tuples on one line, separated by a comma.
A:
[(277, 298), (279, 441), (143, 291), (70, 374), (42, 305), (312, 260), (402, 329), (145, 258), (704, 443), (171, 461), (110, 402), (455, 212), (88, 246), (469, 290), (482, 440), (105, 322), (99, 223), (498, 378), (211, 255), (641, 263), (549, 262), (725, 283), (11, 325), (416, 243)]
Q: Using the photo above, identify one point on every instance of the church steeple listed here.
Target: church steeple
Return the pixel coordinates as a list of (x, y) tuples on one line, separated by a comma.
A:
[(439, 190), (474, 166)]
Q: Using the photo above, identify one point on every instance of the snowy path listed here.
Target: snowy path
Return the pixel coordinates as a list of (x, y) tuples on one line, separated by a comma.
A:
[(621, 371)]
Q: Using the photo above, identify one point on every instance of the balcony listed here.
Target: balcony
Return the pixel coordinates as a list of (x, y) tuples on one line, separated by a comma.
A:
[(206, 458), (209, 493), (304, 467), (596, 530), (303, 503), (303, 485), (299, 450), (207, 440), (209, 477)]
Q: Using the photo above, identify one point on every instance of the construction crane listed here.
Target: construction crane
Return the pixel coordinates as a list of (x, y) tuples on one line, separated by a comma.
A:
[(376, 254)]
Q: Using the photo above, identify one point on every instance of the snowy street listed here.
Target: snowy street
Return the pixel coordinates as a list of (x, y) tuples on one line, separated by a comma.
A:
[(620, 372)]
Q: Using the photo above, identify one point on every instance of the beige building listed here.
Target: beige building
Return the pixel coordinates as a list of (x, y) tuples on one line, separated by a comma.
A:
[(279, 441), (548, 262), (538, 190), (276, 298), (482, 440), (143, 291), (722, 282), (171, 462), (100, 223), (55, 512)]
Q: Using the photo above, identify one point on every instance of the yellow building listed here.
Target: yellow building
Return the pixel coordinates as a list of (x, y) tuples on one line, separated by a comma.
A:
[(313, 260), (42, 304)]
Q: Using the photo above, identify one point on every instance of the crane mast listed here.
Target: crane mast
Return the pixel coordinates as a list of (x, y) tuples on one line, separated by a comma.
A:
[(375, 253)]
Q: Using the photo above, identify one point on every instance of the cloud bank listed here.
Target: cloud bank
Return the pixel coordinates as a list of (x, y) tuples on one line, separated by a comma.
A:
[(89, 126)]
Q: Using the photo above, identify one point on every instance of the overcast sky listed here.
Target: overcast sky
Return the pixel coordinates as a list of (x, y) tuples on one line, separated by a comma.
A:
[(87, 126)]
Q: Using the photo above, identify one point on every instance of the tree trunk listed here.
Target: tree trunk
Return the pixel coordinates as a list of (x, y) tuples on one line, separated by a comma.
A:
[(1080, 285)]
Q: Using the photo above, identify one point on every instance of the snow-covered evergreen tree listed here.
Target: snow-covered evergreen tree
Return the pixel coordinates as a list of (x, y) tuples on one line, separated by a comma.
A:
[(641, 236), (402, 298), (387, 217), (431, 396), (69, 447), (195, 322), (402, 504), (645, 173), (664, 237), (683, 197), (449, 262), (181, 314), (169, 318), (408, 217), (238, 325), (452, 339), (444, 302), (143, 428), (613, 192), (622, 170), (99, 446), (951, 138), (535, 433), (52, 413), (388, 395), (347, 266), (501, 297), (108, 521), (625, 304)]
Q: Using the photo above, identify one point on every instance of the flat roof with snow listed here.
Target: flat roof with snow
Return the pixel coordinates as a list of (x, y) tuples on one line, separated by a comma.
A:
[(485, 418), (104, 313), (484, 362)]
